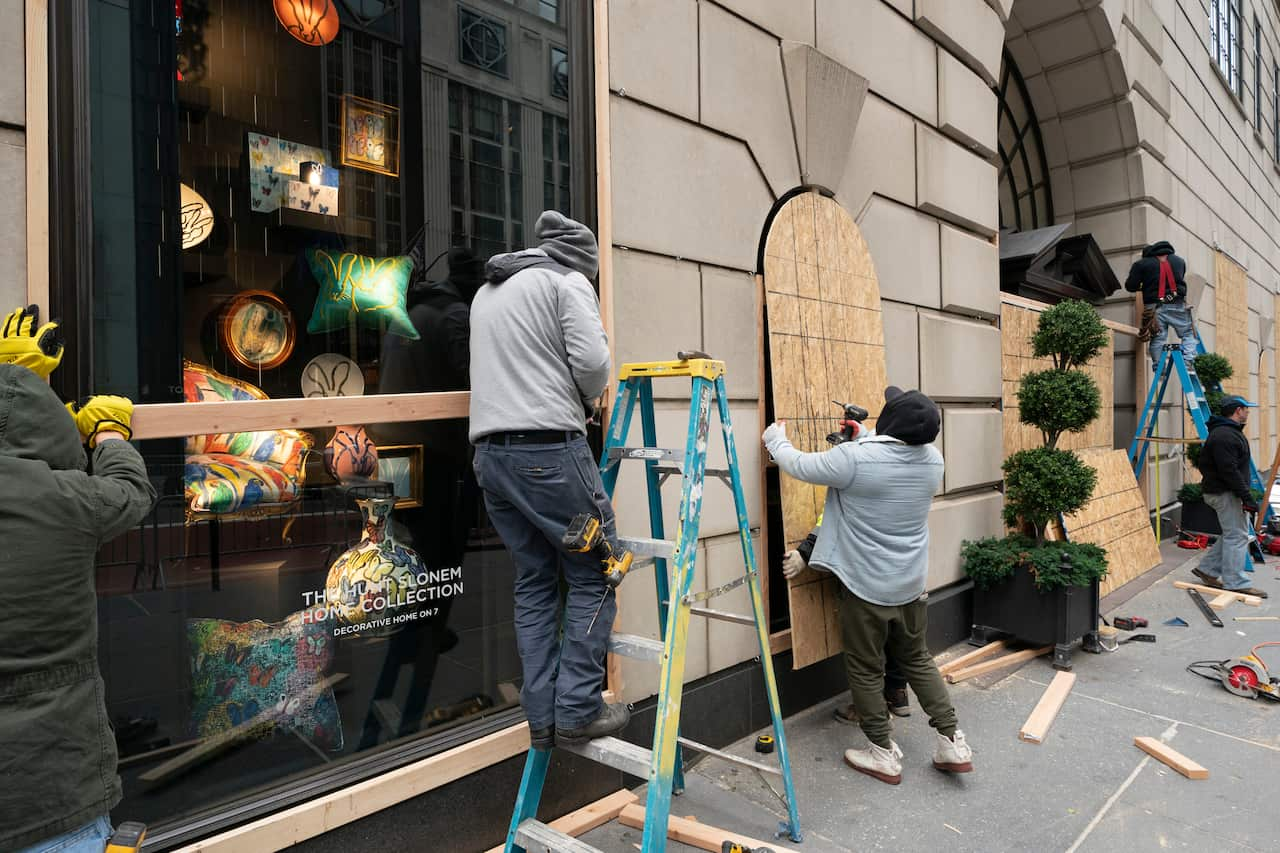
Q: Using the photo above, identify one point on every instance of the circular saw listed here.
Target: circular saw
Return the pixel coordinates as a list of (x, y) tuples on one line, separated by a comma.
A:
[(1248, 676)]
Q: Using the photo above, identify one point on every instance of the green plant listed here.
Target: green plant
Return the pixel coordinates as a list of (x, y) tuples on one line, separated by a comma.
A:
[(1071, 333), (1191, 493), (1193, 454), (991, 561), (1212, 368), (1214, 398), (1058, 401), (1043, 482)]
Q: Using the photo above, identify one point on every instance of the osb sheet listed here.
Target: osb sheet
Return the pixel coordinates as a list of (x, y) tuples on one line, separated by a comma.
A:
[(826, 342), (1116, 518), (1017, 325), (1231, 314)]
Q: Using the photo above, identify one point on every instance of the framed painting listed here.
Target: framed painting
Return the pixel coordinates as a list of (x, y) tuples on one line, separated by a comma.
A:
[(258, 330), (370, 136), (401, 465)]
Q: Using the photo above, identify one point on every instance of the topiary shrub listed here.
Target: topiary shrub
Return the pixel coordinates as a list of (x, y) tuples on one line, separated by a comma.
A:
[(1043, 482), (1212, 369), (1191, 493), (1058, 401), (991, 561), (1071, 333), (1193, 454)]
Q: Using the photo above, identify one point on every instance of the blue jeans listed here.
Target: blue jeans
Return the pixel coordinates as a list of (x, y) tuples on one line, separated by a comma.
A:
[(90, 838), (1177, 315), (532, 492), (1230, 554)]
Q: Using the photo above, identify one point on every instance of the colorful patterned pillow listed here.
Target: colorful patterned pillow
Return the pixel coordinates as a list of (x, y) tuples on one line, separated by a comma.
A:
[(220, 483), (373, 289), (262, 676)]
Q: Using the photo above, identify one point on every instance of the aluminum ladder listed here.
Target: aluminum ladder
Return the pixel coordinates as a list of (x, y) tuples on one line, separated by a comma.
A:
[(1197, 405), (662, 765)]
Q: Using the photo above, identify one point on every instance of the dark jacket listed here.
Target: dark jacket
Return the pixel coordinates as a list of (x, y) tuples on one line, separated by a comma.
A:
[(1224, 459), (57, 751), (1144, 275)]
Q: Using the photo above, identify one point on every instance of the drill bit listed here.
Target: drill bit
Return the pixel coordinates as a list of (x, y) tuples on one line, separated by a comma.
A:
[(608, 589)]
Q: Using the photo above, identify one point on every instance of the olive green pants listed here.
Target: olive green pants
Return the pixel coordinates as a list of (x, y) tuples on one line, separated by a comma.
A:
[(869, 630)]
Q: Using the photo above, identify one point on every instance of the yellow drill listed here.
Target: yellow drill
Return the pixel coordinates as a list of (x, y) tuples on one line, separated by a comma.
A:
[(585, 534)]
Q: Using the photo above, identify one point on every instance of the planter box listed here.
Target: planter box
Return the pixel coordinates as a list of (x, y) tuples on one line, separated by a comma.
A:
[(1199, 517), (1059, 618)]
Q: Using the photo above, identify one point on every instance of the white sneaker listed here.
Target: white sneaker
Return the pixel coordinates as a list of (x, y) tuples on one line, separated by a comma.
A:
[(953, 755), (876, 761)]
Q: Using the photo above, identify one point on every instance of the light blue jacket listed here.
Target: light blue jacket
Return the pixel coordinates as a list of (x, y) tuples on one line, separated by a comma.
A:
[(875, 526)]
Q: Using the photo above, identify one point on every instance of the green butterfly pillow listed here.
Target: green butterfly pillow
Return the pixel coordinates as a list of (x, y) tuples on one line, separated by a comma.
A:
[(371, 288)]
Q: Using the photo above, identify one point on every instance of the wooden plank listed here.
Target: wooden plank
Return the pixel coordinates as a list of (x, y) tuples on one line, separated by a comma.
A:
[(1046, 710), (764, 568), (998, 663), (36, 43), (1033, 305), (1221, 602), (1162, 752), (973, 657), (323, 814), (179, 420), (588, 817), (699, 835), (1251, 600), (780, 641)]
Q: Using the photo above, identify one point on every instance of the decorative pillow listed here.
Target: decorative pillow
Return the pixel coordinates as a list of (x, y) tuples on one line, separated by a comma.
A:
[(373, 289), (285, 448), (266, 675), (219, 483)]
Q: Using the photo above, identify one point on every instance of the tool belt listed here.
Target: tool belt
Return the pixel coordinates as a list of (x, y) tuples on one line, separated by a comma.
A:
[(1147, 329)]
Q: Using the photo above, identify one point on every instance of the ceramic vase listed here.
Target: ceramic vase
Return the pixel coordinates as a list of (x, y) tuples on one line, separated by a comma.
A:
[(373, 582), (350, 454)]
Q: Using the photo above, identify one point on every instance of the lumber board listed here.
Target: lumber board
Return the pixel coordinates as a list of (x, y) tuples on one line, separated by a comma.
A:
[(973, 657), (698, 834), (1166, 754), (1251, 600), (1221, 602), (35, 27), (998, 663), (1046, 710), (588, 817), (1037, 307)]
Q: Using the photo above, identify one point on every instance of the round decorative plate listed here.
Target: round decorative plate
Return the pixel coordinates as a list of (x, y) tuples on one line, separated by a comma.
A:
[(332, 375), (258, 330), (197, 217)]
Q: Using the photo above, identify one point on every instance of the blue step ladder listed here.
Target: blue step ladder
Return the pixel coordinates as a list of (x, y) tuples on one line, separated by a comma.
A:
[(663, 765), (1197, 404)]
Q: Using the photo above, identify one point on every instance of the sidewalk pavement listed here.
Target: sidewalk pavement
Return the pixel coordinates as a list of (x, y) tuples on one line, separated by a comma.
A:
[(1086, 788)]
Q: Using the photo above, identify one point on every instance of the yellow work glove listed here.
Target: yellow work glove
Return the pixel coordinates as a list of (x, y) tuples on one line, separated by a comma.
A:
[(25, 342), (103, 413)]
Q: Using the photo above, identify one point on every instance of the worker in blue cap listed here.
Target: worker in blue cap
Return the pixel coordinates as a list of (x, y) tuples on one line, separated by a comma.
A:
[(1224, 463)]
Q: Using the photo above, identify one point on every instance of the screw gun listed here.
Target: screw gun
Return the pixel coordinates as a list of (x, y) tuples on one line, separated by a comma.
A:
[(850, 423), (585, 534)]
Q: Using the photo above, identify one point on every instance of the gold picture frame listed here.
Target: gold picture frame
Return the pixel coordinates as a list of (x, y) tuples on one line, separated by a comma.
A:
[(370, 136), (401, 465)]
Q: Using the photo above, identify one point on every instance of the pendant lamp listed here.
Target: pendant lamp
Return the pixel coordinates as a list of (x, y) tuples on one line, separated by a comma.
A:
[(313, 22)]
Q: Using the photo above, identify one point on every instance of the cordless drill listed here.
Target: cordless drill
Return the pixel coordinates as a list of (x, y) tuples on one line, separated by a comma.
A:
[(850, 423), (585, 534)]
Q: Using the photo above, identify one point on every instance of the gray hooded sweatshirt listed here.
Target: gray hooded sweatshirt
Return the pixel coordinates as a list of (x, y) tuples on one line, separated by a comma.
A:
[(539, 354)]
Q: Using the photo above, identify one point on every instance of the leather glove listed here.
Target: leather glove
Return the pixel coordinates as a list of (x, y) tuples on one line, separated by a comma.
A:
[(792, 565), (103, 413), (775, 432), (23, 341)]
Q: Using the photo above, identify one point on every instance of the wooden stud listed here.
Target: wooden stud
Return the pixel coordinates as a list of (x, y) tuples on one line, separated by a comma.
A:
[(1251, 600), (973, 657), (1167, 755), (1033, 305), (1255, 619), (780, 641), (697, 834), (998, 663), (589, 816), (36, 36), (1221, 602), (1046, 710)]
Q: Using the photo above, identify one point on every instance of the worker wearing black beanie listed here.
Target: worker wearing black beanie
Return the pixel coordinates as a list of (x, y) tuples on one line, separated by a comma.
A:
[(908, 416)]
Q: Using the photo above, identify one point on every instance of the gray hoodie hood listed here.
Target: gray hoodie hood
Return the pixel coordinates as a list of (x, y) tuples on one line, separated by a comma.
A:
[(34, 424), (568, 243)]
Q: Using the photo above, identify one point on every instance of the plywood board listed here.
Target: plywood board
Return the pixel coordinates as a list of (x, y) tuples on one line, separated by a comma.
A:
[(1017, 325), (1231, 317), (826, 342), (1116, 519)]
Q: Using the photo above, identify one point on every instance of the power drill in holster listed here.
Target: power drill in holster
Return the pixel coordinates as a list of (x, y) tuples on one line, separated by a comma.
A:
[(850, 421), (585, 534)]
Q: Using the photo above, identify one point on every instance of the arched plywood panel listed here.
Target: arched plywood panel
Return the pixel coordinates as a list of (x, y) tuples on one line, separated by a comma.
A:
[(826, 342)]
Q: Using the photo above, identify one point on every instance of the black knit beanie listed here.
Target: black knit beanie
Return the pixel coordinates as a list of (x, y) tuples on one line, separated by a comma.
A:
[(908, 416)]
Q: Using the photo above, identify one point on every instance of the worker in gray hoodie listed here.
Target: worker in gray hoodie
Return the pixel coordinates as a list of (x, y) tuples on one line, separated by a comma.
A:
[(875, 539), (539, 363)]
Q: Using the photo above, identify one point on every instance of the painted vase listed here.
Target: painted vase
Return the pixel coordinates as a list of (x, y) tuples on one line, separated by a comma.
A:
[(373, 582), (350, 454)]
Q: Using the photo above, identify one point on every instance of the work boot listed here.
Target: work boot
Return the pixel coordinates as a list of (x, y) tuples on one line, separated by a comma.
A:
[(899, 705), (613, 719), (1249, 590), (542, 738), (1207, 579), (953, 755), (877, 762)]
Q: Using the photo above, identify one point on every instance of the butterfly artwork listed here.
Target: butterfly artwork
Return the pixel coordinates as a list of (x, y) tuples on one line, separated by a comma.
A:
[(274, 164), (316, 644), (261, 677), (370, 135), (239, 714)]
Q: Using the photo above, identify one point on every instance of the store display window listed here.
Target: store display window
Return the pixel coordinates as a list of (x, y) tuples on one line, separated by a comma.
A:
[(293, 201)]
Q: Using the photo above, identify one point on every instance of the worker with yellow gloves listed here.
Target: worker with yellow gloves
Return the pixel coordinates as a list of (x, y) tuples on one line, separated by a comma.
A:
[(56, 745)]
